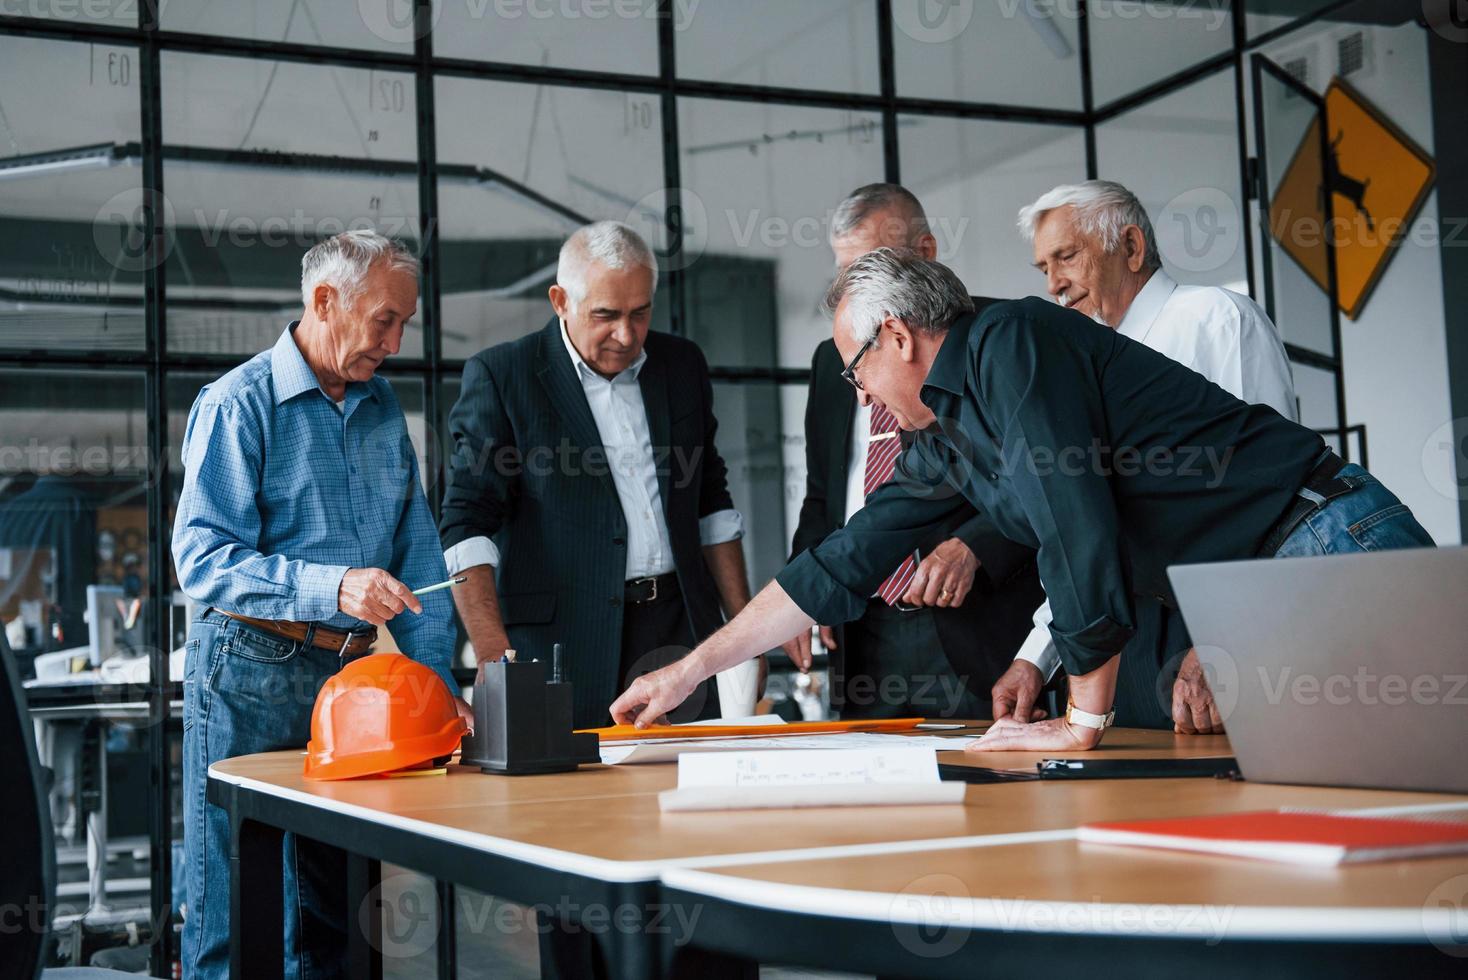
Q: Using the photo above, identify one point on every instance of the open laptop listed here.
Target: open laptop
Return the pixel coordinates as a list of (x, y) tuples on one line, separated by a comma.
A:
[(1348, 670)]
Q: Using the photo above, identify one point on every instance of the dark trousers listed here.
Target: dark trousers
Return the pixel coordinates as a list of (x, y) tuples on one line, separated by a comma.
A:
[(891, 664), (654, 634), (1149, 665)]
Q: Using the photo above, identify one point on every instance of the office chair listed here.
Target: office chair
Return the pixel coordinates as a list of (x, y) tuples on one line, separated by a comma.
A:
[(28, 861)]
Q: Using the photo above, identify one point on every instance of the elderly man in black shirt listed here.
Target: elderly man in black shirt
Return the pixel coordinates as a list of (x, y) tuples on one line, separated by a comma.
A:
[(1111, 459)]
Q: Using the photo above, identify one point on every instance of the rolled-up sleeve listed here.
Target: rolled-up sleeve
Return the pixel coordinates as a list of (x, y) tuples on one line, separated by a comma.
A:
[(720, 527), (470, 552), (917, 508), (216, 530), (1038, 648), (1044, 395)]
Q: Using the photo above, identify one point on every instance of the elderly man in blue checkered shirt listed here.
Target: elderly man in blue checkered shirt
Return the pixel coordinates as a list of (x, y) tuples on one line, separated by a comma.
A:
[(302, 515)]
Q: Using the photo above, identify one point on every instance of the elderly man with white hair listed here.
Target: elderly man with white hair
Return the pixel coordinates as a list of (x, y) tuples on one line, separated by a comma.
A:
[(1112, 460), (1095, 246), (586, 502), (301, 518)]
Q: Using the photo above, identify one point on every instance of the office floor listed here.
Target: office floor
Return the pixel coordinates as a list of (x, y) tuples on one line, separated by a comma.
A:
[(497, 939)]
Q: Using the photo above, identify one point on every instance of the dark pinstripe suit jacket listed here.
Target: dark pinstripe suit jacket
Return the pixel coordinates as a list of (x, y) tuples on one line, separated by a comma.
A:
[(529, 471)]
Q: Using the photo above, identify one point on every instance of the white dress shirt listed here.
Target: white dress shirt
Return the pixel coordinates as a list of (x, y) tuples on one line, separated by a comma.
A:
[(621, 421), (1222, 335), (856, 470)]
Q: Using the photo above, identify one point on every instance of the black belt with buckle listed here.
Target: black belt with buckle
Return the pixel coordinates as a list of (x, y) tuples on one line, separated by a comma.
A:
[(1321, 486), (651, 589)]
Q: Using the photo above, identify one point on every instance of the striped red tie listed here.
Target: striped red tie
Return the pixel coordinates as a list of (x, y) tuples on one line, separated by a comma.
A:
[(881, 458)]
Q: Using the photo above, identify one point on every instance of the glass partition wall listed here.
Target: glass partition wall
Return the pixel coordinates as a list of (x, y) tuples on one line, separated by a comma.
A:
[(153, 229)]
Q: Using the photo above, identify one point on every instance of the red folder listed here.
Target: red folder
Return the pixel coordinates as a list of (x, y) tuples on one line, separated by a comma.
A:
[(1297, 837)]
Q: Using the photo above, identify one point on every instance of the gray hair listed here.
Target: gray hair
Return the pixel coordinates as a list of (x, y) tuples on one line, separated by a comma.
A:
[(344, 260), (925, 295), (1102, 208), (609, 243), (872, 199)]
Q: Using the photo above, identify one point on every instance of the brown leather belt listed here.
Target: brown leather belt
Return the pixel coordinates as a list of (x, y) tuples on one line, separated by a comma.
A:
[(344, 643)]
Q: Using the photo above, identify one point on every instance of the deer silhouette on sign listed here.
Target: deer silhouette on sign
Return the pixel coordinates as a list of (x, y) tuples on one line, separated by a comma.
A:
[(1350, 188)]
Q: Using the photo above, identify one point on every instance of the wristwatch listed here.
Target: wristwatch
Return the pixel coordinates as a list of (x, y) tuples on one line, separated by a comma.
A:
[(1087, 719)]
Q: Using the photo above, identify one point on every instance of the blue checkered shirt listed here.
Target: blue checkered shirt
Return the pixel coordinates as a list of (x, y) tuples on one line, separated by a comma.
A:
[(283, 492)]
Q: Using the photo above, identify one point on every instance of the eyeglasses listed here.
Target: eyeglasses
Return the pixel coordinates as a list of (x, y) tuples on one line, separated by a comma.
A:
[(849, 371)]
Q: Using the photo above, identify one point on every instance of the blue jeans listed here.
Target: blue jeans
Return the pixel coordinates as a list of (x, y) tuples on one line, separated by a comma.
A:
[(247, 691), (1368, 518)]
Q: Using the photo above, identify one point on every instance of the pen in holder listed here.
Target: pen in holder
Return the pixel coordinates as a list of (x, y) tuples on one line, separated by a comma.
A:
[(522, 721)]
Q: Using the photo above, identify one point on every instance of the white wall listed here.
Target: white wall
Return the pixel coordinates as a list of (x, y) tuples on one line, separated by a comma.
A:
[(1395, 352)]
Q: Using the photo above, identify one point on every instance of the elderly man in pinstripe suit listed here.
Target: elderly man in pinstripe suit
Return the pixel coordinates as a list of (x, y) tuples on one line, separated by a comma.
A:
[(586, 502)]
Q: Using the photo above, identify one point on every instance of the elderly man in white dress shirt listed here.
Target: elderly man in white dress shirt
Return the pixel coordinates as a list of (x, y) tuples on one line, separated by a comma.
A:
[(1094, 244)]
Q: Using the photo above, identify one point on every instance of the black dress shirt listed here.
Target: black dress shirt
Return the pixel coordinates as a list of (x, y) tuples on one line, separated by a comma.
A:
[(1111, 459)]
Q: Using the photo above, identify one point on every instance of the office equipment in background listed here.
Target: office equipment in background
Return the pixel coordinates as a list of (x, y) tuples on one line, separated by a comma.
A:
[(1346, 670), (1292, 836), (102, 621)]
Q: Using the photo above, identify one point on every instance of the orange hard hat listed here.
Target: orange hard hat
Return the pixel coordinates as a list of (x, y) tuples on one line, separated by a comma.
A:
[(379, 714)]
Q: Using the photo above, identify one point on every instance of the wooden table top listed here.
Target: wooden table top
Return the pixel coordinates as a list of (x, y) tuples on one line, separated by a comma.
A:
[(605, 819), (1065, 885)]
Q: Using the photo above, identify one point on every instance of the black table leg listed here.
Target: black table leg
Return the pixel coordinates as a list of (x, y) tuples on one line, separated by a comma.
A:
[(631, 936), (256, 913), (448, 931), (364, 917)]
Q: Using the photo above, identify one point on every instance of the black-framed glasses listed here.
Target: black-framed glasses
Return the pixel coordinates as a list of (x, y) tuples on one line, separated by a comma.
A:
[(849, 371)]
